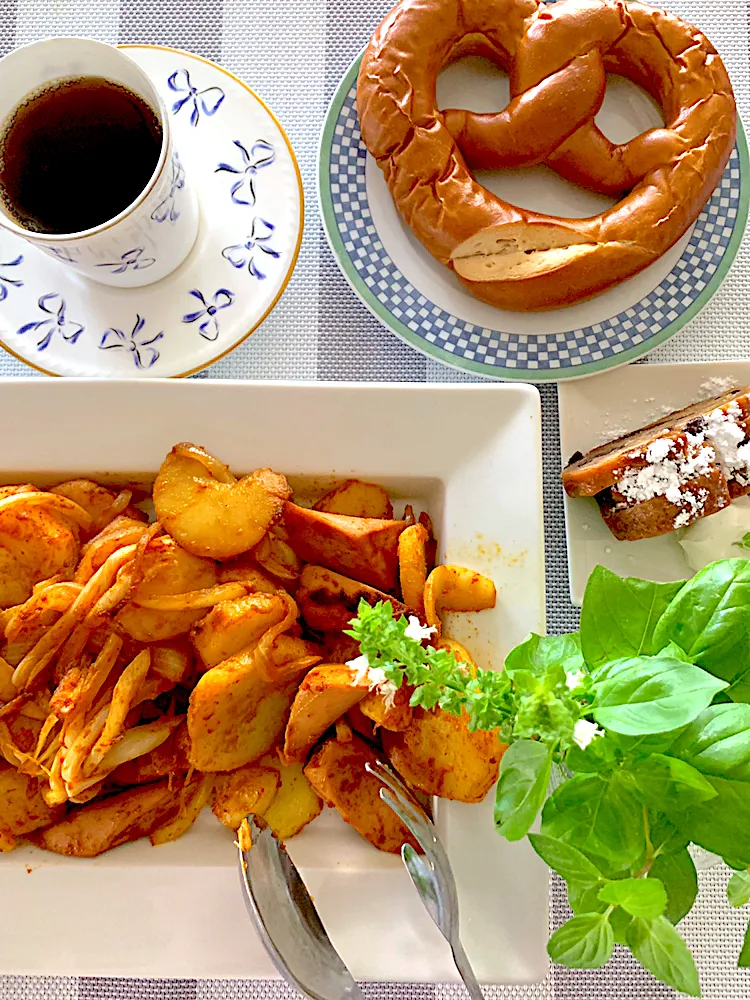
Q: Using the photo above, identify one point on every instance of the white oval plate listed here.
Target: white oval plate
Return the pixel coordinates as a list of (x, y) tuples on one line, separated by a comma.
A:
[(243, 169), (424, 304)]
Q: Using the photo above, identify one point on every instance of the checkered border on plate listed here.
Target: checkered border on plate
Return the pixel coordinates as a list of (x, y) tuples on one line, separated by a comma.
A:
[(630, 329)]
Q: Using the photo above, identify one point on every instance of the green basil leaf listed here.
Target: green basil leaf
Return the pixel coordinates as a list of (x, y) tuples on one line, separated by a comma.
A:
[(620, 920), (665, 837), (722, 824), (584, 942), (652, 695), (710, 618), (522, 788), (639, 897), (670, 783), (744, 960), (643, 746), (599, 815), (677, 874), (585, 898), (717, 741), (661, 950), (566, 860), (619, 615), (599, 757), (675, 651), (738, 890), (541, 652)]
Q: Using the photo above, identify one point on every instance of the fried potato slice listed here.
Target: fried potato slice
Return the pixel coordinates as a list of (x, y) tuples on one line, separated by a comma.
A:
[(337, 773), (412, 566), (34, 546), (167, 569), (249, 789), (361, 547), (326, 693), (456, 588), (439, 755), (106, 823), (329, 601), (194, 797), (357, 499), (22, 808), (235, 625), (392, 713), (295, 804), (236, 715), (210, 513)]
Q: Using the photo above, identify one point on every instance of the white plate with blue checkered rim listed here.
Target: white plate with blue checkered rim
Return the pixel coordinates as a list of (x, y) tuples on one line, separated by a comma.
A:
[(423, 303)]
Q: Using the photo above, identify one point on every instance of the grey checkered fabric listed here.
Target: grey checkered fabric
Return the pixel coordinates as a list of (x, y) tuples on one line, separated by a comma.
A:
[(294, 53)]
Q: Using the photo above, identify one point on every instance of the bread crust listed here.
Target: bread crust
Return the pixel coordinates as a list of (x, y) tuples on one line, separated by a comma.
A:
[(557, 57)]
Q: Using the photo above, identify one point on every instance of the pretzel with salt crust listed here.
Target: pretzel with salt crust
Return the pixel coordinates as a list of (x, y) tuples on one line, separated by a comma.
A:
[(557, 57)]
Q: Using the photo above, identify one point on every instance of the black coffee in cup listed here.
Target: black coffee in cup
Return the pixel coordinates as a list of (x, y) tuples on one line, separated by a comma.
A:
[(76, 153)]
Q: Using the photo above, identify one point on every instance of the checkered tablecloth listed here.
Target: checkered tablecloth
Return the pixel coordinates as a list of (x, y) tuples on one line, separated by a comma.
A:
[(293, 53)]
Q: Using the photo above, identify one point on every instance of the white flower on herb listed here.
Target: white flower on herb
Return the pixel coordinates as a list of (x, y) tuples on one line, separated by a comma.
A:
[(574, 679), (584, 732), (363, 673), (415, 630)]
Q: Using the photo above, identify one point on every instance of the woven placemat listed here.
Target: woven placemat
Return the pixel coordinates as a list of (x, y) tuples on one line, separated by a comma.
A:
[(293, 53)]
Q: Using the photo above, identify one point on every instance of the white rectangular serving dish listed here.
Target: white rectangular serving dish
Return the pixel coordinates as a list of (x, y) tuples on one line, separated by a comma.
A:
[(598, 409), (471, 455)]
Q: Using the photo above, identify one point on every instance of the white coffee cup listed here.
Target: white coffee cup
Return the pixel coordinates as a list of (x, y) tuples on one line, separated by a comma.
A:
[(155, 233)]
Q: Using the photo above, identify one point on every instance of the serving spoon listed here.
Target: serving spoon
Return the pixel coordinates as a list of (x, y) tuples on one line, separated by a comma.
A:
[(288, 924)]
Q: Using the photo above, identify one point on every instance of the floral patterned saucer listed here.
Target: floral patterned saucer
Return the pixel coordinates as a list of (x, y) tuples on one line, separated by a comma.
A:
[(239, 161)]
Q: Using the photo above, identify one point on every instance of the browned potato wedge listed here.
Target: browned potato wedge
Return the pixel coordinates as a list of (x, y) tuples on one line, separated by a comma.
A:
[(440, 756), (22, 808), (337, 773), (167, 569), (249, 789), (235, 625), (102, 825), (328, 601), (412, 566), (361, 547), (389, 713), (325, 694), (210, 513), (194, 798), (361, 724), (357, 499), (339, 648), (295, 804), (34, 546), (455, 588), (171, 757), (235, 714)]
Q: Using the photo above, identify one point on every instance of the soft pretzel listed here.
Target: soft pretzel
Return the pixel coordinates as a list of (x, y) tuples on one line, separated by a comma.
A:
[(557, 57)]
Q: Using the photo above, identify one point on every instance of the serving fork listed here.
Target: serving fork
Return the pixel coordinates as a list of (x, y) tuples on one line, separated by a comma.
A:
[(288, 923)]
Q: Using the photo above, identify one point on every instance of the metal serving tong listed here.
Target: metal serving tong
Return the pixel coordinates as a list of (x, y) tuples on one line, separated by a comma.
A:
[(288, 923)]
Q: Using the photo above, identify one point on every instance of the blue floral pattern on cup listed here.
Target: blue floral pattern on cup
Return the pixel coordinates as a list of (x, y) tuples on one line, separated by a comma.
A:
[(167, 208), (63, 254), (246, 254), (55, 321), (6, 282), (208, 100), (209, 328), (142, 351), (131, 259), (261, 154)]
